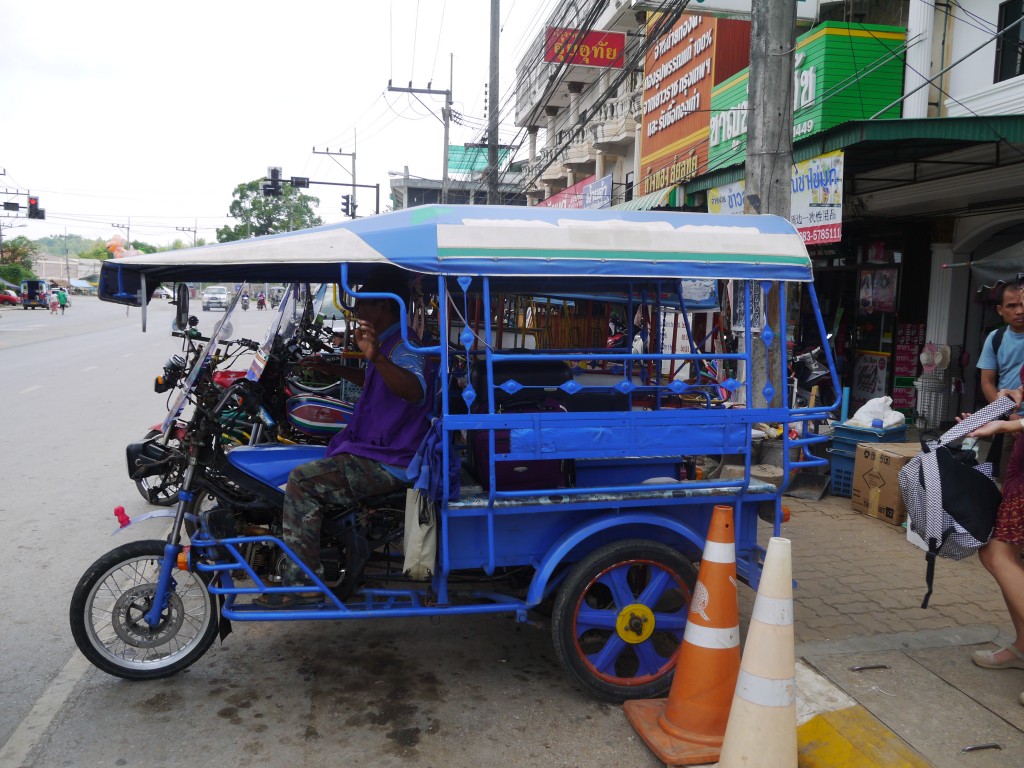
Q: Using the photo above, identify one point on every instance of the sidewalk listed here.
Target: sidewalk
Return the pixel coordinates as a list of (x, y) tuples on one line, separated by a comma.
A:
[(857, 603)]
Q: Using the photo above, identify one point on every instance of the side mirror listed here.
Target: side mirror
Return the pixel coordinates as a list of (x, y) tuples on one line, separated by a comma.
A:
[(181, 296)]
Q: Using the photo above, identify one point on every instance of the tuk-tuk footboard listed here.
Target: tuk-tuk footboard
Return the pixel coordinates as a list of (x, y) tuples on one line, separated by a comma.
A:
[(365, 603)]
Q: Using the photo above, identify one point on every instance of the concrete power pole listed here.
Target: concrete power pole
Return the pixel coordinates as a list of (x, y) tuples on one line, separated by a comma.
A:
[(493, 107), (446, 116), (770, 159)]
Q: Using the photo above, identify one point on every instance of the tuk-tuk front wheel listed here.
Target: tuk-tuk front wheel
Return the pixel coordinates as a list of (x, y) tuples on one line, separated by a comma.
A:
[(109, 607), (619, 617)]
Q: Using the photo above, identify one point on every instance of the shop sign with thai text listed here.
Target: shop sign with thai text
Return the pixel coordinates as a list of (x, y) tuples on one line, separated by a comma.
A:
[(570, 197), (595, 48), (679, 73), (816, 206), (840, 73), (598, 194)]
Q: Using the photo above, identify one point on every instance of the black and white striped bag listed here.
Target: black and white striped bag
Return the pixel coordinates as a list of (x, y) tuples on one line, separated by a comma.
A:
[(952, 500)]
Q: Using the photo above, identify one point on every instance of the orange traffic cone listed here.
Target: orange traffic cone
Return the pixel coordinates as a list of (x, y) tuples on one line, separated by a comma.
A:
[(688, 727), (762, 723)]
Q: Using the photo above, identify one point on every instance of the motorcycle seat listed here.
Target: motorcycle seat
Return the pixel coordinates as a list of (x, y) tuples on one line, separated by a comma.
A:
[(271, 464)]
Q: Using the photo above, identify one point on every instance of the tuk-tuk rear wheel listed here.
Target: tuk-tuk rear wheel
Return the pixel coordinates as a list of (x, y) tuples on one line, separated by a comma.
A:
[(619, 618)]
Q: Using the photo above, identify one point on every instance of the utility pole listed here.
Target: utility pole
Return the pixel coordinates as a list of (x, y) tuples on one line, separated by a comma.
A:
[(446, 114), (492, 110), (128, 228), (769, 162), (193, 229), (339, 153)]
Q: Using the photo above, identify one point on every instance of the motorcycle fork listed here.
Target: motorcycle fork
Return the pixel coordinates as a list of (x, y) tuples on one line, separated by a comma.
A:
[(165, 582)]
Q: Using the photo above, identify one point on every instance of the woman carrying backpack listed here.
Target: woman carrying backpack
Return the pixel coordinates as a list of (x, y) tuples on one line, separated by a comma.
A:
[(1001, 556)]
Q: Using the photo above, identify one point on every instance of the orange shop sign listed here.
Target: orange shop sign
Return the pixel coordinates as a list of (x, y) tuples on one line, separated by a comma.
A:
[(586, 49)]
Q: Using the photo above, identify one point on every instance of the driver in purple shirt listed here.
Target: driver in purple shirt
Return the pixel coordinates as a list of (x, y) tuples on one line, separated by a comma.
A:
[(370, 456)]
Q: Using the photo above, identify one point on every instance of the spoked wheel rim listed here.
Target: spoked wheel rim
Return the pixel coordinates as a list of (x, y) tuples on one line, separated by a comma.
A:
[(162, 490), (115, 615), (629, 621)]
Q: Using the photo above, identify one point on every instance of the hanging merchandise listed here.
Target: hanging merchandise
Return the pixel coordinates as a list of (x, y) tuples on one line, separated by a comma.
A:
[(935, 357)]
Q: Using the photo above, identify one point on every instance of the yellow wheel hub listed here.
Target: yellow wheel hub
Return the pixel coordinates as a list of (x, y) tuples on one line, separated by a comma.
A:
[(635, 623)]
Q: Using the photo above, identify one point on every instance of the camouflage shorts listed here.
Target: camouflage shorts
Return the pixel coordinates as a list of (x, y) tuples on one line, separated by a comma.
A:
[(338, 481)]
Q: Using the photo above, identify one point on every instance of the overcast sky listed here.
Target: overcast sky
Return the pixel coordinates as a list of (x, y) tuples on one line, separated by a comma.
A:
[(151, 113)]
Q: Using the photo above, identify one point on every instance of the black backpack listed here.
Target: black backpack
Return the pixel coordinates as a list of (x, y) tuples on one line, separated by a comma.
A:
[(952, 500)]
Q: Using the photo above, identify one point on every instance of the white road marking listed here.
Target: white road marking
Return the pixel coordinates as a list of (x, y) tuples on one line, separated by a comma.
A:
[(33, 728), (30, 389), (90, 368)]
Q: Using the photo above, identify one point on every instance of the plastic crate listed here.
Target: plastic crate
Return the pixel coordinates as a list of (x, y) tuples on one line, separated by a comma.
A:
[(850, 434), (841, 477)]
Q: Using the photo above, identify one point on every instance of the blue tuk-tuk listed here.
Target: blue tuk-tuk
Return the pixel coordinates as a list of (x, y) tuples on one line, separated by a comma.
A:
[(589, 364)]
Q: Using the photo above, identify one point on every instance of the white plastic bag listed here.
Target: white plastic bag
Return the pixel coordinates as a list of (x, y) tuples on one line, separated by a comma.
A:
[(420, 544), (877, 413)]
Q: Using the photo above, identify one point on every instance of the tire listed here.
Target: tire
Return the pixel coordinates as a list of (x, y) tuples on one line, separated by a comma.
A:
[(162, 490), (601, 653), (118, 588)]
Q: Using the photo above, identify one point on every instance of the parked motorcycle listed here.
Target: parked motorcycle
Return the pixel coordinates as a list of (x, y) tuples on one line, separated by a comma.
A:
[(303, 409), (809, 370), (119, 620)]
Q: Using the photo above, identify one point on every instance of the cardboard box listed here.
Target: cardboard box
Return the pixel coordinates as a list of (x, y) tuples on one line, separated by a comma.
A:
[(876, 484)]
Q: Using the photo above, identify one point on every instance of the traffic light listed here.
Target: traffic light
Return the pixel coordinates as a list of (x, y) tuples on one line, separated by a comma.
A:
[(346, 205), (273, 189), (34, 211)]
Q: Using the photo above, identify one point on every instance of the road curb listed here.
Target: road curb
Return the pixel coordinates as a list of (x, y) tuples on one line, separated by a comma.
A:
[(834, 731)]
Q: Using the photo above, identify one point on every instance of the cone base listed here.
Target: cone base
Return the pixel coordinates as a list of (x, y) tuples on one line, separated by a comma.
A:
[(643, 715)]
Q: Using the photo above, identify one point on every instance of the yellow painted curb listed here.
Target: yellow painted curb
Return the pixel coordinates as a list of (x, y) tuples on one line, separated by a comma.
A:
[(851, 738)]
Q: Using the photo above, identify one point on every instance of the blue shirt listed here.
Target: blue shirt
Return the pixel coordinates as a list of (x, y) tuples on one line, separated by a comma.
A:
[(1011, 359)]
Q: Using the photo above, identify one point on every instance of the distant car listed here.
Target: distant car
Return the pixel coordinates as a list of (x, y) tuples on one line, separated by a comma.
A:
[(9, 297), (215, 296), (163, 292)]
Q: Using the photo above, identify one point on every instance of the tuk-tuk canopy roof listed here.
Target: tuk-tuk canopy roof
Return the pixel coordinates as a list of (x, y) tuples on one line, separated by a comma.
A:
[(498, 241)]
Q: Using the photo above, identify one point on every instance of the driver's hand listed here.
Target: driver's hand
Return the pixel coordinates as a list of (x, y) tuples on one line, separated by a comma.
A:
[(366, 339)]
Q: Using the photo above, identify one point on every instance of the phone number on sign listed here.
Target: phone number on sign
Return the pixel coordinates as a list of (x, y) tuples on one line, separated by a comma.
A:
[(830, 234)]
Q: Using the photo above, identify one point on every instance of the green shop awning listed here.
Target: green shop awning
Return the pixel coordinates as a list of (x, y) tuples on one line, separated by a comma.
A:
[(669, 197), (880, 143)]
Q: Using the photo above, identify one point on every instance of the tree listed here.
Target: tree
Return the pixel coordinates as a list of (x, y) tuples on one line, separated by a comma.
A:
[(258, 215), (16, 259), (20, 251)]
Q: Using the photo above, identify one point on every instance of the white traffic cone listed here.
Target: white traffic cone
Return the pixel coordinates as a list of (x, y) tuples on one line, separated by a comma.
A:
[(762, 722)]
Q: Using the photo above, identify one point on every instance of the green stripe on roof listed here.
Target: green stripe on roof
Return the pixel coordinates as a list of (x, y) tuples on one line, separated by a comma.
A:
[(532, 254)]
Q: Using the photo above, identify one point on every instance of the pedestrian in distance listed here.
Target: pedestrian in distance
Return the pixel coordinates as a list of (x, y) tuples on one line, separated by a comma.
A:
[(1002, 356), (1001, 556), (54, 303), (62, 299)]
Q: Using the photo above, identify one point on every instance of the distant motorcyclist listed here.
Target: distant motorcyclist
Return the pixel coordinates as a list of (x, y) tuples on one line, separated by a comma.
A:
[(261, 300)]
